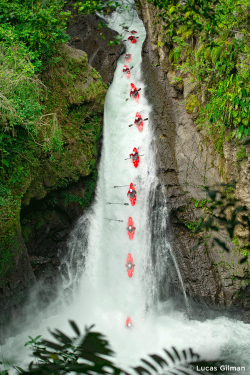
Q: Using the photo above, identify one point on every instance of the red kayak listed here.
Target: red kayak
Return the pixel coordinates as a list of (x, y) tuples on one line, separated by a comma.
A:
[(134, 92), (131, 228), (135, 157), (130, 265), (129, 323), (132, 39), (132, 194), (133, 32), (128, 57), (126, 70), (138, 121)]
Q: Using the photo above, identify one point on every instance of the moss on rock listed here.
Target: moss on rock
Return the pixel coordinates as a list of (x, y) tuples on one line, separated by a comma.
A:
[(73, 98)]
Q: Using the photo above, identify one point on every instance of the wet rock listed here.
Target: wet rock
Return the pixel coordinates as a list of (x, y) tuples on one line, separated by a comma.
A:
[(14, 294), (186, 161), (86, 35)]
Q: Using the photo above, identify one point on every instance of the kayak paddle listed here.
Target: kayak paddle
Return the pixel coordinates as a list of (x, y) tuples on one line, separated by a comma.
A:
[(125, 204), (142, 120), (123, 186), (130, 158), (136, 37), (121, 221)]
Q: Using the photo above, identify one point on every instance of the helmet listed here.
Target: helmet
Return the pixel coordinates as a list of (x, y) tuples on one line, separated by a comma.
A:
[(131, 190), (133, 153), (130, 227), (129, 325), (137, 118), (129, 266)]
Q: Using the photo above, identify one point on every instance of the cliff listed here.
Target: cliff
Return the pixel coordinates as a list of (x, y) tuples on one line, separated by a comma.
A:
[(214, 280)]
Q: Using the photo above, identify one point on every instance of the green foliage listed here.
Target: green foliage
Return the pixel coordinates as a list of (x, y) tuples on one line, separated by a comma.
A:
[(221, 63), (191, 16), (40, 26), (93, 6), (50, 112), (226, 212), (193, 225), (90, 183), (91, 354), (241, 154)]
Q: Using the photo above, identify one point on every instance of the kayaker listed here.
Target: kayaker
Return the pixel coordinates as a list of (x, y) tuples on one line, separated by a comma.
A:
[(134, 155), (131, 193), (132, 38), (128, 56), (131, 228), (134, 92), (138, 120), (126, 69), (129, 323), (133, 32), (130, 265)]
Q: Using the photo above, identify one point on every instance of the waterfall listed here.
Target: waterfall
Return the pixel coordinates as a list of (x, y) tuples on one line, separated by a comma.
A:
[(94, 272)]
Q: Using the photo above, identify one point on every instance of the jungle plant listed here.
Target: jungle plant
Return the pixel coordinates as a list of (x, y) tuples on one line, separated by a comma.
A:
[(220, 64), (225, 211), (91, 353)]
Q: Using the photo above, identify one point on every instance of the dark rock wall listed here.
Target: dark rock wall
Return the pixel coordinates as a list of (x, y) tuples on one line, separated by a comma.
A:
[(86, 35), (185, 163)]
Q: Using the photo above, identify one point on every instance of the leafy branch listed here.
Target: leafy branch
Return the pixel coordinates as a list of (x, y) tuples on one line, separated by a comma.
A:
[(91, 353)]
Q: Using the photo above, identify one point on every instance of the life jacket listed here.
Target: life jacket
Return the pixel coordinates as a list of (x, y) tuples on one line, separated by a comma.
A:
[(138, 120), (132, 194), (134, 156)]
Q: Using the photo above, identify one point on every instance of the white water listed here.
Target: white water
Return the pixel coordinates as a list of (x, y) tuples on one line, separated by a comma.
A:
[(105, 295)]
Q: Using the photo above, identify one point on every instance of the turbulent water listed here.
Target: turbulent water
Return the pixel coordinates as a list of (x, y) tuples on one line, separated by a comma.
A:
[(95, 275)]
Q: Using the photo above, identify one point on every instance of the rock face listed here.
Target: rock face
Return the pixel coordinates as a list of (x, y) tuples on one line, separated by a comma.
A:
[(213, 280), (86, 35), (15, 291)]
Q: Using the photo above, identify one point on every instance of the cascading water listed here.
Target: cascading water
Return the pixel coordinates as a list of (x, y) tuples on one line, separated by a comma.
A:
[(105, 295)]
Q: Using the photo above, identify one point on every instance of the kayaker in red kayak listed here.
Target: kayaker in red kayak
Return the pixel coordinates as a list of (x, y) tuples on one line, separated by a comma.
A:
[(133, 32), (128, 57), (129, 323), (132, 194), (138, 118), (130, 265), (134, 92), (130, 228), (135, 157), (138, 121), (126, 70), (132, 39)]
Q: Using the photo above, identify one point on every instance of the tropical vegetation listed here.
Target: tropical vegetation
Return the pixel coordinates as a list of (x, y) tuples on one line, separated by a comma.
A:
[(210, 41), (91, 354)]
